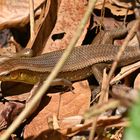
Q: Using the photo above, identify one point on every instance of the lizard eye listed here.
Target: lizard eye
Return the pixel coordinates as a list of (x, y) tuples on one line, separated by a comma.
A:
[(13, 75)]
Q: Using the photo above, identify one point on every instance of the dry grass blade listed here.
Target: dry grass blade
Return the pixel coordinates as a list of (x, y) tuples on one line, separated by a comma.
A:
[(98, 109), (125, 71), (103, 98), (102, 121), (43, 26), (32, 21)]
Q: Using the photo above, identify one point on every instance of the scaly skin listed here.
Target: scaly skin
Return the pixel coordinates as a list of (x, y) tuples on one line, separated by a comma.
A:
[(78, 66)]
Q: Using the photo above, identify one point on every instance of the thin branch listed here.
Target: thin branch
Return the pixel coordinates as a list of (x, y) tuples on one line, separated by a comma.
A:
[(22, 116), (32, 21), (101, 99), (93, 128)]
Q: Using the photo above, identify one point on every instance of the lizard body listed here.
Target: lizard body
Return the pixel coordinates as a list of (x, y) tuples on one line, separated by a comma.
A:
[(77, 67)]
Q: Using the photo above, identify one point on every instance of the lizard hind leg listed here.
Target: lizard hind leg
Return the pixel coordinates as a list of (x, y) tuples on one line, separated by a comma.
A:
[(97, 70)]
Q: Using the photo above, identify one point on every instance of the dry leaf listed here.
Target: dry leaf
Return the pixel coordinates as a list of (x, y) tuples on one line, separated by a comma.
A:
[(9, 112), (118, 11), (69, 16), (125, 71), (69, 104), (121, 3), (45, 27), (15, 13)]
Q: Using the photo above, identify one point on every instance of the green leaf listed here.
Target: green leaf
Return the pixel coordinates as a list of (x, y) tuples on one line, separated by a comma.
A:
[(133, 132)]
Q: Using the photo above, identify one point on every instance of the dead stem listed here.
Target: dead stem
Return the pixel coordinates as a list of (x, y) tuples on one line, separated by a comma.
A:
[(32, 22)]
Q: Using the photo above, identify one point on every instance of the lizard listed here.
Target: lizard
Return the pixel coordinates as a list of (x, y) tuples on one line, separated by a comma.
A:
[(82, 63), (79, 66)]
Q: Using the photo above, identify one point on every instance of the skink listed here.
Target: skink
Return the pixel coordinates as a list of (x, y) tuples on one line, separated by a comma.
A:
[(77, 67)]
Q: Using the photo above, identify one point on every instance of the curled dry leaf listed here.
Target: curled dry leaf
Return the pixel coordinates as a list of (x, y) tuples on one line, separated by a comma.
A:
[(15, 13), (125, 71), (121, 3), (115, 10)]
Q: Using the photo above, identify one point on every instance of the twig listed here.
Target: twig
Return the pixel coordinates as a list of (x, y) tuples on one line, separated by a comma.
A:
[(98, 109), (103, 95), (101, 122), (32, 21), (101, 99), (95, 111), (137, 16), (22, 116), (92, 131)]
